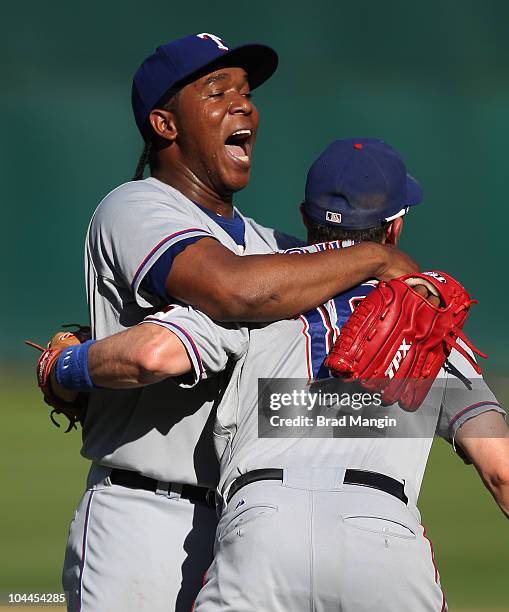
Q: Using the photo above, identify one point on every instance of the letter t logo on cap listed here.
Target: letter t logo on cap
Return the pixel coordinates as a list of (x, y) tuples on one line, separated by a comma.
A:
[(216, 39)]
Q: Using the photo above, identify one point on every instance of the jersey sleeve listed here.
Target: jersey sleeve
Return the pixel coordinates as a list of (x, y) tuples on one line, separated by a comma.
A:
[(210, 345), (466, 395), (133, 228), (154, 281)]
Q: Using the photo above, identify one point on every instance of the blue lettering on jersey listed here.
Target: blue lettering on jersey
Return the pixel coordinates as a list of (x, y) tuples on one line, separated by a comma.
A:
[(322, 325)]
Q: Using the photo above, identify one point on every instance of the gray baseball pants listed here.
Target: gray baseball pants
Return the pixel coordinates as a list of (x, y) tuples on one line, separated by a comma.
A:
[(132, 550), (314, 544)]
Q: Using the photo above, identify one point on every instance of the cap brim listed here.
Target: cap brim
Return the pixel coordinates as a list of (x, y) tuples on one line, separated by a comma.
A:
[(259, 62), (413, 190)]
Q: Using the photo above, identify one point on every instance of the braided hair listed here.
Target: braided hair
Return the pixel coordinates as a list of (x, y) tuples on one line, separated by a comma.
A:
[(143, 161), (149, 147)]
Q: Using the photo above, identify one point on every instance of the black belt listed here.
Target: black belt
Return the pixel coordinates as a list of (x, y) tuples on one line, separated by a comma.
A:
[(362, 478), (133, 480)]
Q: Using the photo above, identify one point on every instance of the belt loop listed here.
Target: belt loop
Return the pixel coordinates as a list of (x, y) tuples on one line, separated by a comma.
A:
[(163, 488), (340, 475), (175, 490), (211, 499), (98, 475), (408, 490), (311, 478)]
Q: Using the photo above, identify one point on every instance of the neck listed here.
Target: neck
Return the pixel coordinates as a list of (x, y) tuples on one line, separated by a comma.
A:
[(183, 179)]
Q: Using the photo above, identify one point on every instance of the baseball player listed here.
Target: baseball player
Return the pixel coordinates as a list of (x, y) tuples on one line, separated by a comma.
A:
[(306, 533), (327, 523), (142, 535)]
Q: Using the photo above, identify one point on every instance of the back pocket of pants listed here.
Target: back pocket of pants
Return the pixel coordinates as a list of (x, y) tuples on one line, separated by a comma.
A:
[(380, 525), (245, 517)]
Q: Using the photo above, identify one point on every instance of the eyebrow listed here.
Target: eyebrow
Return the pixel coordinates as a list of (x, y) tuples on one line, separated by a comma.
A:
[(213, 78)]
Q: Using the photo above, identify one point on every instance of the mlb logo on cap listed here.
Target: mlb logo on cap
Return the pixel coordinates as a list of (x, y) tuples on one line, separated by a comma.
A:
[(359, 183), (333, 217)]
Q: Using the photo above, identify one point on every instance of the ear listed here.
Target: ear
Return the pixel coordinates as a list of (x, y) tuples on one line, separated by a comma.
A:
[(163, 124), (393, 231)]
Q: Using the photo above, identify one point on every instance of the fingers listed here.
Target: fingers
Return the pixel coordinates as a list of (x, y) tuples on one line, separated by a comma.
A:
[(422, 290)]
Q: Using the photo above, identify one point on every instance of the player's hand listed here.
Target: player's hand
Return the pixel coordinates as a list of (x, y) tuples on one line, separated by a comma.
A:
[(62, 401), (395, 263), (400, 316), (399, 261), (422, 290), (66, 395)]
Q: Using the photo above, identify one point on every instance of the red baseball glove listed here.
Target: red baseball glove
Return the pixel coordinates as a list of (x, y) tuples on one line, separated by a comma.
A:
[(396, 341), (73, 410)]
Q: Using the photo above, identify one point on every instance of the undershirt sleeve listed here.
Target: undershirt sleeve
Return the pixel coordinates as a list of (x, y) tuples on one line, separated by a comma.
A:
[(154, 282)]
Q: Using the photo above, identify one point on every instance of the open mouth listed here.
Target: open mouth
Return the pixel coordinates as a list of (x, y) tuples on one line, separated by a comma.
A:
[(238, 146)]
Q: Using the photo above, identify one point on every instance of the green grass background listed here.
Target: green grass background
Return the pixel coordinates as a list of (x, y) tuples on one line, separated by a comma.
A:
[(43, 476)]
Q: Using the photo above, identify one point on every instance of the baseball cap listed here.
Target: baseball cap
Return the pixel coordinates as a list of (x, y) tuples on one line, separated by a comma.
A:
[(359, 183), (181, 61)]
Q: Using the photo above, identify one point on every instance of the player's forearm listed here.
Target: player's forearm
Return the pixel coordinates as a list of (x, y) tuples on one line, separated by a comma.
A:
[(270, 287), (485, 440), (497, 483), (495, 476), (116, 362), (142, 355), (500, 491), (286, 285)]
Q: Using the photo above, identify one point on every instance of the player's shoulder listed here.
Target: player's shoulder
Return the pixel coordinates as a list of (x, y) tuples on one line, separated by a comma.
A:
[(144, 191), (258, 228), (133, 198), (279, 240)]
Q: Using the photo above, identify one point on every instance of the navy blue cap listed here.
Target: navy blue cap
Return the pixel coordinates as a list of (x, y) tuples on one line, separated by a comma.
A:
[(359, 183), (181, 61)]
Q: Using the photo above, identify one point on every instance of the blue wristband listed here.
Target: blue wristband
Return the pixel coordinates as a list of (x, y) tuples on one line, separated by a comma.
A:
[(72, 368)]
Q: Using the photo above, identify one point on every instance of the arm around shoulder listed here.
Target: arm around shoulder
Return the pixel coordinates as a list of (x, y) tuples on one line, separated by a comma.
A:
[(261, 288)]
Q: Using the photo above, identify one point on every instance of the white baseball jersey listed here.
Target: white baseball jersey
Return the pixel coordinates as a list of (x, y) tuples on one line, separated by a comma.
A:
[(163, 431), (296, 349)]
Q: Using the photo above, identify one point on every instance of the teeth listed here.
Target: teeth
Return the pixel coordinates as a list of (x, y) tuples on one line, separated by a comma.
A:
[(242, 133)]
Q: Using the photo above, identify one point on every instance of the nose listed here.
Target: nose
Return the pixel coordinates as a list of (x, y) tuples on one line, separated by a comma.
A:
[(240, 104)]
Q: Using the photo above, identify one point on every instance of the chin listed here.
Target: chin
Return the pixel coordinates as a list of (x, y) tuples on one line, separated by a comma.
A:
[(234, 183)]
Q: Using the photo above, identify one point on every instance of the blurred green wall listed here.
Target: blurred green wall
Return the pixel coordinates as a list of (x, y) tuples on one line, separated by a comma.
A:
[(429, 78)]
